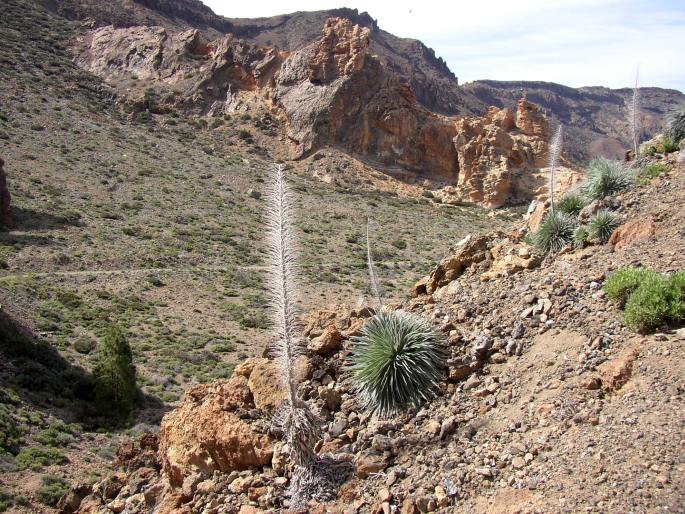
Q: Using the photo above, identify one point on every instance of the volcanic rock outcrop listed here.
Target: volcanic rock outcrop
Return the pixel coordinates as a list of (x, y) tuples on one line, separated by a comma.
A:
[(332, 92), (6, 219)]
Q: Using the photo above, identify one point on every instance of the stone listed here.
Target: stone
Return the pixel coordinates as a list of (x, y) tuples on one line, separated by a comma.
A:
[(616, 372), (634, 231), (518, 462), (253, 193), (265, 385), (538, 213), (6, 218), (367, 464), (108, 488), (433, 426), (408, 507), (70, 502), (328, 342), (204, 434), (469, 251)]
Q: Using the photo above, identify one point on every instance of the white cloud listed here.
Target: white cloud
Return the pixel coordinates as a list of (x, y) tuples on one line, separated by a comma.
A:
[(573, 42)]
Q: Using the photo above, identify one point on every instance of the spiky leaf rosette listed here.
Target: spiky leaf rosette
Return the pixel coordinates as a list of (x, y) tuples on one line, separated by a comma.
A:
[(571, 203), (606, 178), (602, 224), (295, 419), (396, 363), (556, 231)]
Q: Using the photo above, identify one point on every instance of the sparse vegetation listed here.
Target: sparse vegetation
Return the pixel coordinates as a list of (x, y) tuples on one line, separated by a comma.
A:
[(580, 237), (52, 489), (396, 363), (602, 225), (651, 171), (37, 458), (556, 232), (668, 145), (606, 178), (649, 299)]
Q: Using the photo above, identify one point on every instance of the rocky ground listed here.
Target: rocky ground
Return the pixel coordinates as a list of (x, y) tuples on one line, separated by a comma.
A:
[(550, 405)]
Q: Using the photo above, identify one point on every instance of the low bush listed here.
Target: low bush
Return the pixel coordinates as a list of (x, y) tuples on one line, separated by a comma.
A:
[(624, 281), (571, 203), (669, 145), (602, 225), (650, 299), (651, 171), (37, 458), (556, 231), (52, 489), (396, 362), (10, 431), (606, 178)]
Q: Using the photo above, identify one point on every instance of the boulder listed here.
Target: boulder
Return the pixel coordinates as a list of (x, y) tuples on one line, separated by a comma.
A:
[(206, 433), (265, 385), (470, 250), (6, 220), (509, 258), (633, 231), (328, 342)]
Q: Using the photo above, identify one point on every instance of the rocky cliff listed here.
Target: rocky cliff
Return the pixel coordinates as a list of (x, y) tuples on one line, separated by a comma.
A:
[(332, 92), (595, 118)]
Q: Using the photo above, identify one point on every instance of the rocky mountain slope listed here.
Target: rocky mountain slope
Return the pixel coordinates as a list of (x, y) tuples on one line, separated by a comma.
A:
[(550, 404)]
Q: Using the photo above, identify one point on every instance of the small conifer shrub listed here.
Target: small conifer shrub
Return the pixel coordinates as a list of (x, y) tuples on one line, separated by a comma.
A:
[(116, 392), (396, 363), (556, 231), (602, 225), (606, 178), (571, 203), (676, 125)]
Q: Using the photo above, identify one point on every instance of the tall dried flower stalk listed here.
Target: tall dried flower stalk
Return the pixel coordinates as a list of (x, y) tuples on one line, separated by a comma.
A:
[(298, 423), (372, 268), (633, 113), (554, 154)]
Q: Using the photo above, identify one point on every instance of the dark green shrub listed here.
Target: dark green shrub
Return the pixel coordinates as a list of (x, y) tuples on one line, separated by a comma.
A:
[(396, 362), (677, 292), (115, 375), (57, 434), (606, 178), (37, 458), (556, 231), (676, 124), (52, 489), (571, 203), (602, 224), (84, 345)]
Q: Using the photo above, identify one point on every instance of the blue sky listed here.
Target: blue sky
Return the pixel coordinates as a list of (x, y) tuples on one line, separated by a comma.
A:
[(577, 43)]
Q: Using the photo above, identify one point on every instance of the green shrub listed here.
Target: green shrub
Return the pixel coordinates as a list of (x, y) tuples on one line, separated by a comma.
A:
[(647, 308), (602, 224), (52, 489), (669, 145), (651, 171), (676, 124), (624, 281), (650, 299), (606, 178), (57, 434), (571, 203), (36, 458), (556, 231), (115, 375), (396, 362)]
